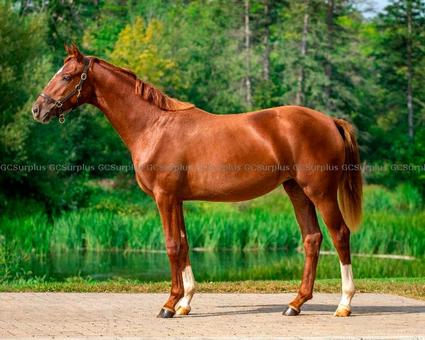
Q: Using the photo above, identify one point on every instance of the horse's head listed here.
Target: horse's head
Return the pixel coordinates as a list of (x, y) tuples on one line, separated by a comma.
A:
[(68, 88)]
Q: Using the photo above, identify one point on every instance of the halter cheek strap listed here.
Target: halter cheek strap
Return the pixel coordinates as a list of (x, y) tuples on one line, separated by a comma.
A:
[(76, 91)]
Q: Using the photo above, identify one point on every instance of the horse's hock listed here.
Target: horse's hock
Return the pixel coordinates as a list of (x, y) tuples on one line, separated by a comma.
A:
[(109, 314)]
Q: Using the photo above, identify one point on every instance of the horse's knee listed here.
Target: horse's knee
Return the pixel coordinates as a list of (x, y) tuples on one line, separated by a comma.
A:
[(173, 249), (312, 243)]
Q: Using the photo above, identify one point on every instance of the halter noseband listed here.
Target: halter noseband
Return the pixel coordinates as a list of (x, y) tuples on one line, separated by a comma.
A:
[(76, 90)]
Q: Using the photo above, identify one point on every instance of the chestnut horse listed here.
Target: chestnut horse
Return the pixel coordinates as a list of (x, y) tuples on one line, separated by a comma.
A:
[(181, 152)]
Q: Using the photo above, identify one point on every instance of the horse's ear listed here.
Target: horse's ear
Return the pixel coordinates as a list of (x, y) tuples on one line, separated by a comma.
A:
[(73, 51)]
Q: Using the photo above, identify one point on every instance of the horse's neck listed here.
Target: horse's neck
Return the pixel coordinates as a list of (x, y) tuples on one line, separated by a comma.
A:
[(128, 113)]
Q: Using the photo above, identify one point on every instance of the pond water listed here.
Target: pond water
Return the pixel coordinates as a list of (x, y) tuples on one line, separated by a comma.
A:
[(210, 266)]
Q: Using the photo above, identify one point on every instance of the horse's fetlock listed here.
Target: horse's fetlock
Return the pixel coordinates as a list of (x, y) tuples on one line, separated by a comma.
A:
[(305, 295), (309, 296), (177, 292), (349, 291)]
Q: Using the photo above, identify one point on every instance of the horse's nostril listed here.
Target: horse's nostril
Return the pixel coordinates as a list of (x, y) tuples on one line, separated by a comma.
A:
[(35, 111)]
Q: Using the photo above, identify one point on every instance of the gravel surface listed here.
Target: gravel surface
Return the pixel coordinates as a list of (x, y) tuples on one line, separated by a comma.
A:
[(109, 315)]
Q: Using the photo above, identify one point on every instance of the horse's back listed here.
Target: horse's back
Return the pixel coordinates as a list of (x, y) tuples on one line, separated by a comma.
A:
[(303, 129)]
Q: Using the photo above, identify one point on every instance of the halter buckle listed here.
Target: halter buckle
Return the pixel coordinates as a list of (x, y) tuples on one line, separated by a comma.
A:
[(58, 104), (61, 118), (83, 76)]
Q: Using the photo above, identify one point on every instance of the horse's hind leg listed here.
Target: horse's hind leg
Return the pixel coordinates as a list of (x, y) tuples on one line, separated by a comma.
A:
[(328, 207), (312, 237)]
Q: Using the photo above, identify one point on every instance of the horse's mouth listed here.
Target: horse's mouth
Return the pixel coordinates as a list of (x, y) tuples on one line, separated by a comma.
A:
[(45, 119)]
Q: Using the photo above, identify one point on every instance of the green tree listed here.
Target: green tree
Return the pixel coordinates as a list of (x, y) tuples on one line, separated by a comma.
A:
[(140, 48), (397, 47), (400, 55), (101, 34), (212, 57), (22, 66)]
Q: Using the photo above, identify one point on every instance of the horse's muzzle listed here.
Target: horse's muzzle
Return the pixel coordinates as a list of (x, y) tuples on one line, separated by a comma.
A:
[(41, 112)]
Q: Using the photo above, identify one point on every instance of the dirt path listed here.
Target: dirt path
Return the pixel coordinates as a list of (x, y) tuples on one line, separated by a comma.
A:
[(114, 315)]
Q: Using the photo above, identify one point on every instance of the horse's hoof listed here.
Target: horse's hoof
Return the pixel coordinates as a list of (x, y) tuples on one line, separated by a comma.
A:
[(343, 311), (166, 313), (183, 310), (291, 311)]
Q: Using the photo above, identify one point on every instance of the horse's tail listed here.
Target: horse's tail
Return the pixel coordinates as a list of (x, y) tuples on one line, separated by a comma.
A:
[(350, 189)]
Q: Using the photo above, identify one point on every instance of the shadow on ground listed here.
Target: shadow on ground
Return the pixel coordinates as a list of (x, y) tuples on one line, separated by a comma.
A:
[(326, 309)]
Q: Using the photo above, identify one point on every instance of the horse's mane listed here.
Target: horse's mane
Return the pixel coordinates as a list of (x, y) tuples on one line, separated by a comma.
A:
[(147, 91)]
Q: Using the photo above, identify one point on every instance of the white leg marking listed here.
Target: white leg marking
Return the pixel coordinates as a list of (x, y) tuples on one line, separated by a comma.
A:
[(348, 289), (189, 287)]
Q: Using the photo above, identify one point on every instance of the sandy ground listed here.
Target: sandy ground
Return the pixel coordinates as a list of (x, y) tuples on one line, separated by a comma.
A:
[(213, 315)]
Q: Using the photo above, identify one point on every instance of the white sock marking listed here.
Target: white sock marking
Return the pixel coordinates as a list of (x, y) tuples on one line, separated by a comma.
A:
[(189, 287), (348, 289)]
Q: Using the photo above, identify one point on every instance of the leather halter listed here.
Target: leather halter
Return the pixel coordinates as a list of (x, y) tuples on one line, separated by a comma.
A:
[(75, 91)]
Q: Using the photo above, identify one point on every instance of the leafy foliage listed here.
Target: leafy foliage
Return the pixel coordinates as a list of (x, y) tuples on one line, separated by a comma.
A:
[(138, 48), (353, 67)]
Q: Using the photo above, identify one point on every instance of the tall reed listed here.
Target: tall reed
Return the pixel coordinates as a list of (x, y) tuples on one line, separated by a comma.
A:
[(394, 223)]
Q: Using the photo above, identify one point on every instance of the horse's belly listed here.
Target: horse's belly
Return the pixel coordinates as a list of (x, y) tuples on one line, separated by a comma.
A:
[(235, 183)]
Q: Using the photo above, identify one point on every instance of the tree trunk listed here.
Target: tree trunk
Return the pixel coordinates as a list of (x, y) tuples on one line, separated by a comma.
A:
[(410, 121), (247, 34), (266, 42), (328, 66), (23, 7), (299, 99)]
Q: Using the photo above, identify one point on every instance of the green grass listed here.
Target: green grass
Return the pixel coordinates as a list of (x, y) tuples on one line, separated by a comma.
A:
[(125, 219), (410, 287), (394, 223)]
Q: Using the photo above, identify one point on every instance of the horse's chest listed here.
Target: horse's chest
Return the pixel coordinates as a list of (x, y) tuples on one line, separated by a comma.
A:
[(145, 175), (155, 174), (144, 184)]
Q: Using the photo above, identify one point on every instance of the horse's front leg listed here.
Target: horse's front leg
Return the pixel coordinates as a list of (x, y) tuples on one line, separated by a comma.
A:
[(170, 211), (183, 306)]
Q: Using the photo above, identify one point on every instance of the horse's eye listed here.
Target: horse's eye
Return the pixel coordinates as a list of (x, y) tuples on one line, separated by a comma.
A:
[(66, 77)]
